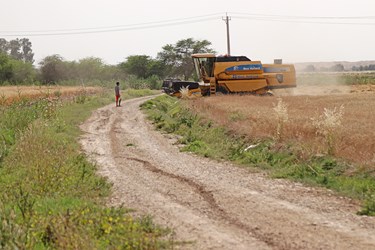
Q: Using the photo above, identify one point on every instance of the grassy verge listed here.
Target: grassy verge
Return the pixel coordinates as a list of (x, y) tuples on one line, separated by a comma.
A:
[(50, 196), (201, 136)]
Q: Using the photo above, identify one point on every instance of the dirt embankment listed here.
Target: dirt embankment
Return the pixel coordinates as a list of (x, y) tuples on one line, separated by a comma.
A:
[(210, 204)]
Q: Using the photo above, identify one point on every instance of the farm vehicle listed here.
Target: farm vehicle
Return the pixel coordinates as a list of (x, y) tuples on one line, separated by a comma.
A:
[(236, 75)]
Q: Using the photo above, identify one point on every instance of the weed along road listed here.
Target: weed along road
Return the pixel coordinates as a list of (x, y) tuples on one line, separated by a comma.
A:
[(210, 204)]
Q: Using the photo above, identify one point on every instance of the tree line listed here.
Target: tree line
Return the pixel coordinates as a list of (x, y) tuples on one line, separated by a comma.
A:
[(174, 60), (370, 67), (338, 68), (335, 68)]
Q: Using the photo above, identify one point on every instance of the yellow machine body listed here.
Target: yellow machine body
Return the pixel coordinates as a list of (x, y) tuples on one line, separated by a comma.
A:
[(238, 74)]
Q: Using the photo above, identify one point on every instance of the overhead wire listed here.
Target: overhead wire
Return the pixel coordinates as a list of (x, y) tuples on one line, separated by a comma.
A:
[(303, 17), (301, 21), (115, 28), (196, 19), (306, 19)]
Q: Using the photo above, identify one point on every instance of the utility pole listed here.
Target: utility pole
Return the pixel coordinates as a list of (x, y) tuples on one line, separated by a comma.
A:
[(227, 19)]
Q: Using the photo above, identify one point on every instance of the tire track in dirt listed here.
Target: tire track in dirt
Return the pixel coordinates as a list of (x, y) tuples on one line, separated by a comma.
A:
[(209, 198), (215, 205)]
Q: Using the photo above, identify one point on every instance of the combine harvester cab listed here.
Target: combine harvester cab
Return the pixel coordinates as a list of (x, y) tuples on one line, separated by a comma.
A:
[(238, 74)]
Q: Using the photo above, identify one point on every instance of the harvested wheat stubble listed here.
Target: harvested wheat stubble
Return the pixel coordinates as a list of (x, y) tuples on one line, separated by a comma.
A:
[(256, 118)]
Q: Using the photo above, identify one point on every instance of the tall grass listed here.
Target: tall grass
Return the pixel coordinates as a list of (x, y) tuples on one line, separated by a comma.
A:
[(210, 133), (281, 110), (50, 195), (328, 125)]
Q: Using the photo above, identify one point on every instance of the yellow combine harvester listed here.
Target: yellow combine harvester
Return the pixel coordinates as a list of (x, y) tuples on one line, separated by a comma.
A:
[(238, 74), (233, 74)]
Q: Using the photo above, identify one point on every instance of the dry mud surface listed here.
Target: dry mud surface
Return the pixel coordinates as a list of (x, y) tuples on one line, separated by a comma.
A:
[(210, 204)]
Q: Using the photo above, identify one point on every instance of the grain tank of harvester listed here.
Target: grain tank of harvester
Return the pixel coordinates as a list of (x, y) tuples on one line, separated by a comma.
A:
[(238, 74)]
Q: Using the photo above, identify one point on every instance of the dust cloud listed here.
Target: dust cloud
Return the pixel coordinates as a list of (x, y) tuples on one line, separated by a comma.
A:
[(314, 84)]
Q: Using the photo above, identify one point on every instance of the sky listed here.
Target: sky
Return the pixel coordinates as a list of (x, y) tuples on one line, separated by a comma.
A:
[(294, 30)]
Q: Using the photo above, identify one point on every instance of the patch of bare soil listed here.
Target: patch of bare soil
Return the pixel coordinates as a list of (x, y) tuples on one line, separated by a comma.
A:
[(210, 204)]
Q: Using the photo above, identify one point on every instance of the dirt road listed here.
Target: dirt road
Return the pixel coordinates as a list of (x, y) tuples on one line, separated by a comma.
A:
[(210, 204)]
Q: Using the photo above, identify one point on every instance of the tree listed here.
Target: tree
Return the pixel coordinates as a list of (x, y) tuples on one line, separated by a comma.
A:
[(338, 68), (19, 49), (27, 54), (157, 68), (52, 69), (177, 58), (6, 68), (310, 68), (4, 47), (137, 65), (23, 72), (90, 68), (15, 49)]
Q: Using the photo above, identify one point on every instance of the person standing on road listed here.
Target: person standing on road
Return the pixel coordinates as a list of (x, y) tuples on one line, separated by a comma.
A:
[(117, 94)]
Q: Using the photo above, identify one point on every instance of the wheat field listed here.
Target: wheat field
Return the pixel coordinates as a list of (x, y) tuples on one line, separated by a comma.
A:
[(352, 114), (9, 94)]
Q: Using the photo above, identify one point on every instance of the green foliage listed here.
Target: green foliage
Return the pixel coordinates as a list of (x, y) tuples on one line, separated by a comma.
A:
[(6, 68), (89, 68), (50, 195), (177, 58), (23, 72), (84, 227), (132, 93), (137, 65), (18, 49), (133, 82), (138, 71), (52, 69), (280, 160), (16, 60), (154, 82), (360, 78), (369, 206), (369, 67)]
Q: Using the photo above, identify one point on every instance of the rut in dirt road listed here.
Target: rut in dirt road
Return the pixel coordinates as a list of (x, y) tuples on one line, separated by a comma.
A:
[(210, 204)]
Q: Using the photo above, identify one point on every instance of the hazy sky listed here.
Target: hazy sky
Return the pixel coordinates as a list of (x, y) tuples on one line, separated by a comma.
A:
[(262, 30)]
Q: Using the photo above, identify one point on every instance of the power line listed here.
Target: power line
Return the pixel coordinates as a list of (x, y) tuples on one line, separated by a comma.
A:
[(303, 17), (307, 19), (147, 25), (302, 21), (195, 19)]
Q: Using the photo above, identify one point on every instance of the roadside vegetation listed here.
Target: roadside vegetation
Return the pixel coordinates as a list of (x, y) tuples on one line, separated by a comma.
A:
[(314, 140), (50, 194)]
